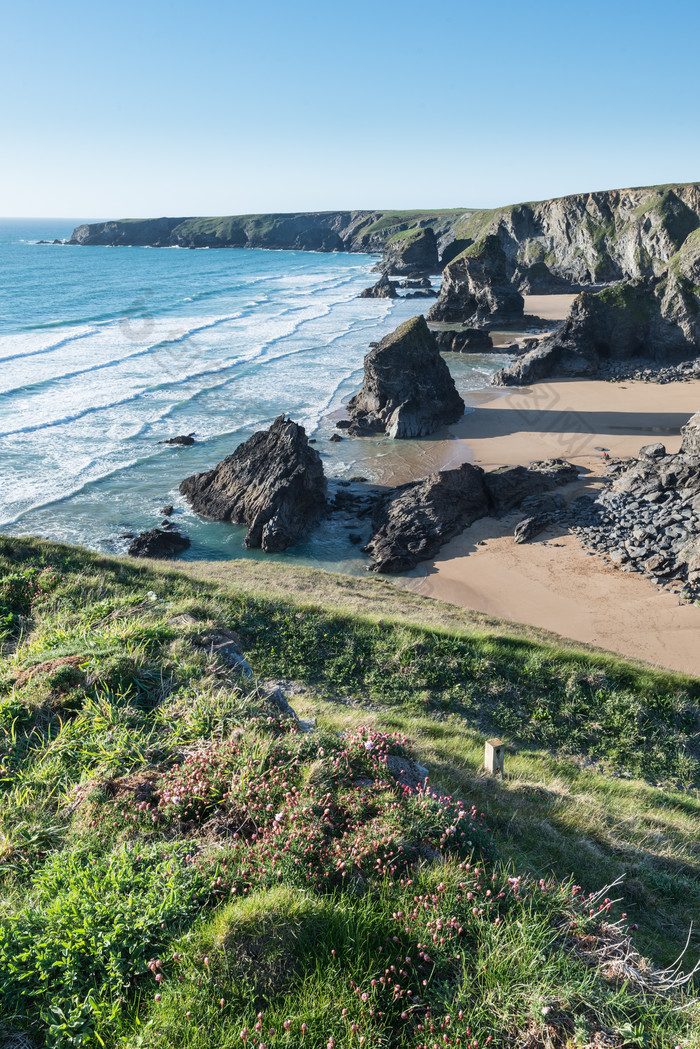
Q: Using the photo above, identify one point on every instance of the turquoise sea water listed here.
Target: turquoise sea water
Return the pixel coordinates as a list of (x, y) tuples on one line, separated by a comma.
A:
[(104, 352)]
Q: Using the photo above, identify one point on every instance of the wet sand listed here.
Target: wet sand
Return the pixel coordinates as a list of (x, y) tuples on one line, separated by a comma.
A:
[(552, 582)]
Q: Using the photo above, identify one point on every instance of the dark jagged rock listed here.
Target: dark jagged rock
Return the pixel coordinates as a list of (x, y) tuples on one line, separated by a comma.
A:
[(157, 543), (167, 510), (411, 251), (274, 483), (383, 289), (182, 440), (466, 340), (509, 486), (476, 287), (654, 320), (407, 389), (411, 525), (428, 294)]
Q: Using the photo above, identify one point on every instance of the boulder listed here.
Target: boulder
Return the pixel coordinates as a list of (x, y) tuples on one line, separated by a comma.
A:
[(476, 287), (691, 436), (273, 483), (413, 522), (464, 340), (383, 289), (412, 251), (652, 451), (407, 389), (158, 543)]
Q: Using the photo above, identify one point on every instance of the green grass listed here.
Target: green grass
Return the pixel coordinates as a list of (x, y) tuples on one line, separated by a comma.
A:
[(179, 864)]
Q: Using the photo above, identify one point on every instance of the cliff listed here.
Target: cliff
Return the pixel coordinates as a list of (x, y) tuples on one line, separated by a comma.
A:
[(360, 231), (653, 320), (582, 238)]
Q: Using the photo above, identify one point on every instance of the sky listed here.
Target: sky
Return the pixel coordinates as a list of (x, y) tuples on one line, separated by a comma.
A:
[(136, 109)]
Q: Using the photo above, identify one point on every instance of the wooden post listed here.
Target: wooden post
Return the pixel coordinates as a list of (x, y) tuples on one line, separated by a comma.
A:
[(493, 758)]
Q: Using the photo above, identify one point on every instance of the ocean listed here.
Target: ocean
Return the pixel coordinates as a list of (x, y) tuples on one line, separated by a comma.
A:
[(105, 352)]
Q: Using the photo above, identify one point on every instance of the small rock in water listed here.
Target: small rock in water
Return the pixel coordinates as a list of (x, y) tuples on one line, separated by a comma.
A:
[(182, 440)]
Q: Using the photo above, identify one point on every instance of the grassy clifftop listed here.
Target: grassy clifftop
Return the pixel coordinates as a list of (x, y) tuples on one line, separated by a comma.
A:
[(182, 864)]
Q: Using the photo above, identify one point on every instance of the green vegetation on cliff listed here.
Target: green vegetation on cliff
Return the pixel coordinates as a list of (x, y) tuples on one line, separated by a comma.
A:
[(181, 865)]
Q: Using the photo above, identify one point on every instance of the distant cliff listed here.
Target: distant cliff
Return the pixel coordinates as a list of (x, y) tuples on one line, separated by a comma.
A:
[(580, 239), (360, 231)]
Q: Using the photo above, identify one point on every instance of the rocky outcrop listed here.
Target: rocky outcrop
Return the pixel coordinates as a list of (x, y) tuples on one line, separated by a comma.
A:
[(464, 340), (643, 323), (411, 525), (158, 543), (407, 389), (413, 251), (594, 237), (383, 289), (274, 483), (476, 288)]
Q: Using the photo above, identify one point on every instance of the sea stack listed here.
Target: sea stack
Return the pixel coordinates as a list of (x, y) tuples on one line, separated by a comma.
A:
[(274, 483), (476, 287), (407, 389)]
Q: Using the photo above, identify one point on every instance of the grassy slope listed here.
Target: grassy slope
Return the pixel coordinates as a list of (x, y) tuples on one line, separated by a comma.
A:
[(116, 880)]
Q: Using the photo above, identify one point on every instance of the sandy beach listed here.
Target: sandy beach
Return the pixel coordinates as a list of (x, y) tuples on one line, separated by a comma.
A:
[(553, 582)]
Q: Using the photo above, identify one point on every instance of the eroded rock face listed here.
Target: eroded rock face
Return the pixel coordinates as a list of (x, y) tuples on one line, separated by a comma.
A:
[(648, 321), (407, 389), (414, 251), (476, 287), (157, 543), (383, 289), (274, 483), (411, 525)]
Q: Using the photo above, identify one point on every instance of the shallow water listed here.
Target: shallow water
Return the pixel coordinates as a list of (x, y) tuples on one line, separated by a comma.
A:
[(104, 352)]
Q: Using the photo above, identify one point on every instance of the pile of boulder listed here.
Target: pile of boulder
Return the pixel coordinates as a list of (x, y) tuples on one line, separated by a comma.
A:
[(648, 519)]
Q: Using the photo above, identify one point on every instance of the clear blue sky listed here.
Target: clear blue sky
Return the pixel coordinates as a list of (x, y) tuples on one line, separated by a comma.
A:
[(147, 108)]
